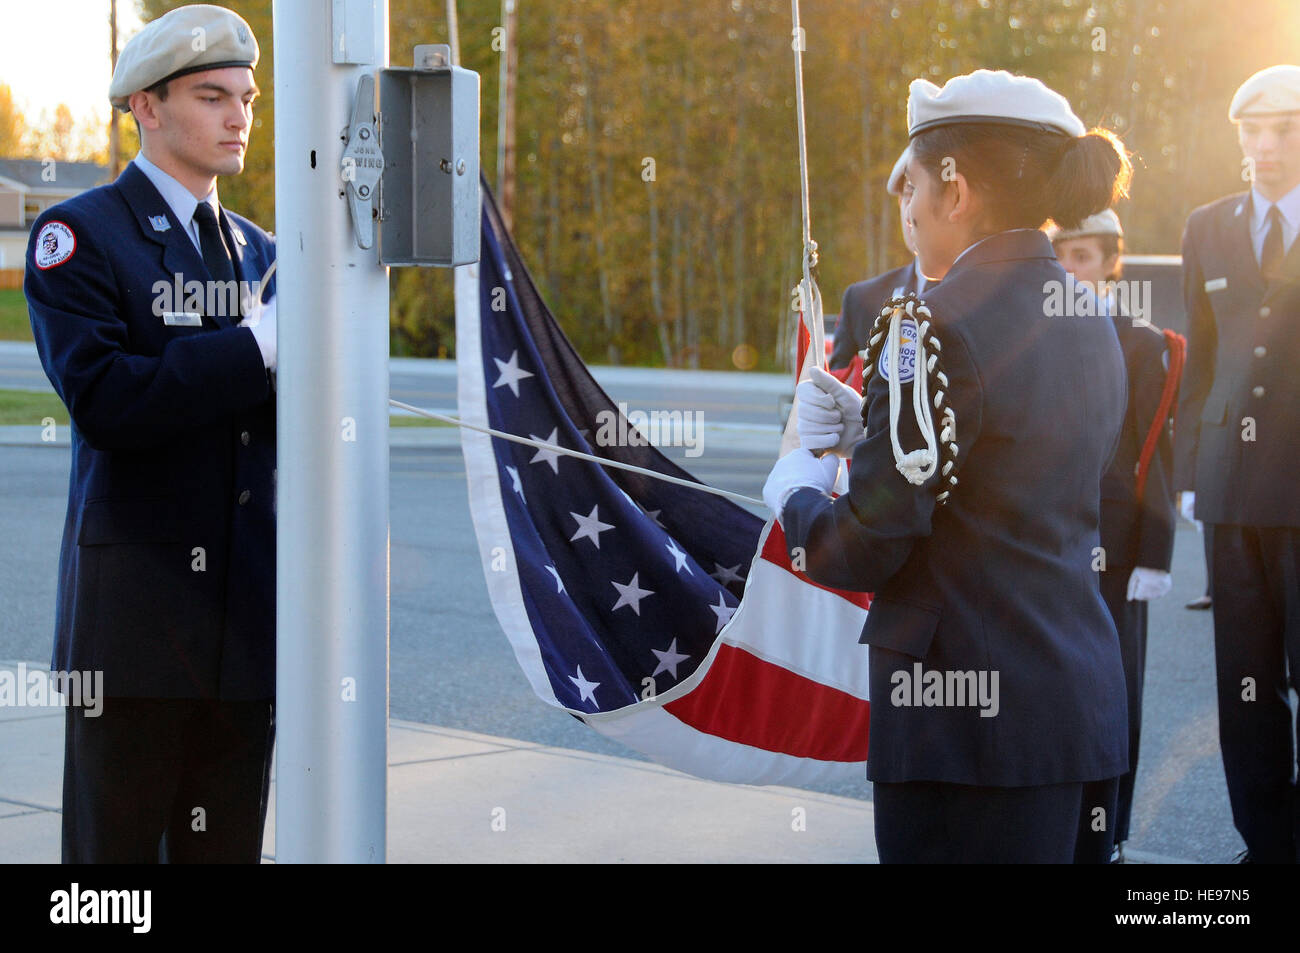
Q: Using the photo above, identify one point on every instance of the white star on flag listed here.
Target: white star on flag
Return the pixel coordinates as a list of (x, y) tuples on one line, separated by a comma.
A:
[(514, 479), (724, 613), (559, 583), (631, 594), (669, 659), (511, 373), (680, 558), (589, 526), (586, 689), (724, 574), (549, 456), (653, 514)]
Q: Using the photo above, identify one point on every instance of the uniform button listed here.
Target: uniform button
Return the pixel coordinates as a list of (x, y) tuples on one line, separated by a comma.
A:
[(244, 438), (245, 496), (1258, 392), (1265, 311), (1261, 351)]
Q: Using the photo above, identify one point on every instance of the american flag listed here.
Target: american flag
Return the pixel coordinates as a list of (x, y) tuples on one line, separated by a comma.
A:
[(664, 617)]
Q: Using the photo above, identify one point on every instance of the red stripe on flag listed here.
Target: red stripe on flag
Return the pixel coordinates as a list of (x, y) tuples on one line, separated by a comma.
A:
[(752, 702), (805, 342), (774, 551)]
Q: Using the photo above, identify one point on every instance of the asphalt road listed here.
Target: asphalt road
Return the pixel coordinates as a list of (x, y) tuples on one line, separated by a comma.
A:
[(726, 399), (452, 666)]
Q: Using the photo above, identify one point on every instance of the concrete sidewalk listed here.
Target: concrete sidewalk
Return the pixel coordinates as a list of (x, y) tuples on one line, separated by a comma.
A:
[(449, 789)]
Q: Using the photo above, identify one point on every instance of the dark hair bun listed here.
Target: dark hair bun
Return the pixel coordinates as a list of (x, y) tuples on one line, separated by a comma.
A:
[(1093, 173)]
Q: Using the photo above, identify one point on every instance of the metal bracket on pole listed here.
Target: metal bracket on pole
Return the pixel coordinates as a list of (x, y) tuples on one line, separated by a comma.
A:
[(430, 206), (362, 163)]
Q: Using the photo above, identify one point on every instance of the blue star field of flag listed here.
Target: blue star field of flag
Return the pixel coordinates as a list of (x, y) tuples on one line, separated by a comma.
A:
[(619, 590)]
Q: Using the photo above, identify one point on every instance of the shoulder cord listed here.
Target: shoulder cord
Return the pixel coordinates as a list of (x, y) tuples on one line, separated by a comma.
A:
[(919, 465), (1165, 411)]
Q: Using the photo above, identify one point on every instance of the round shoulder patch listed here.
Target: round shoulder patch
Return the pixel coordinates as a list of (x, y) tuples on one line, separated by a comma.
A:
[(54, 245), (906, 352)]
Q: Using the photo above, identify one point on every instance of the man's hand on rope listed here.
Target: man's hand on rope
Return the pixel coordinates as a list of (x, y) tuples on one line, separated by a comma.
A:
[(829, 414), (796, 470), (261, 321)]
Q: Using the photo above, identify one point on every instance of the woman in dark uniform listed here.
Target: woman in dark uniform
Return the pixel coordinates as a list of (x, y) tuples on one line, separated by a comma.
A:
[(1137, 501), (998, 723)]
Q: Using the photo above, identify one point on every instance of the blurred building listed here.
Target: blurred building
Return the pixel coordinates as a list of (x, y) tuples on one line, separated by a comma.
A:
[(27, 188)]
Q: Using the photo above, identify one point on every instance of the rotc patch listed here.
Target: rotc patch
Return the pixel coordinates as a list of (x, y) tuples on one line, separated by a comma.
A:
[(906, 352), (54, 245)]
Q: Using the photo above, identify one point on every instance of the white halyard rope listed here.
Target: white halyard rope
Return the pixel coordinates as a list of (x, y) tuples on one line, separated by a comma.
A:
[(566, 451), (810, 297)]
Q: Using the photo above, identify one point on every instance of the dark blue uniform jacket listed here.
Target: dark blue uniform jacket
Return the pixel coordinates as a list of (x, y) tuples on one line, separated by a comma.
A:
[(862, 303), (1140, 532), (1235, 437), (1001, 579), (167, 568)]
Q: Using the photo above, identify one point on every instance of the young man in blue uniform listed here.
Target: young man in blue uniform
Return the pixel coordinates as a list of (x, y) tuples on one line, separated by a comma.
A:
[(151, 324), (1235, 449), (996, 587), (1137, 502), (863, 299)]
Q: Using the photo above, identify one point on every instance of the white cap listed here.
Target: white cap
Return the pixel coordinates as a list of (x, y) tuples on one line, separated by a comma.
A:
[(990, 96), (894, 186), (1103, 223), (188, 39), (1267, 93)]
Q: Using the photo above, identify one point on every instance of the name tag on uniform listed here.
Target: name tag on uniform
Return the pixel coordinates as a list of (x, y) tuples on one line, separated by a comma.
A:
[(1216, 284), (183, 319)]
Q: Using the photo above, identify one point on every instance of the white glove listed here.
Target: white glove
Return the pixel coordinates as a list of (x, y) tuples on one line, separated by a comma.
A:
[(261, 321), (796, 470), (1187, 506), (830, 414), (1147, 584)]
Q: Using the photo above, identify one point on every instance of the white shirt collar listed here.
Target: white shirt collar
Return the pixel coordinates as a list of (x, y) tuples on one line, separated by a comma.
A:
[(1288, 205), (178, 198)]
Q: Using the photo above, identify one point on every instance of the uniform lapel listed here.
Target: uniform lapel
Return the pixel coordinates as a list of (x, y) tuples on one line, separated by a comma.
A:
[(1237, 251), (238, 245), (179, 256), (1289, 276)]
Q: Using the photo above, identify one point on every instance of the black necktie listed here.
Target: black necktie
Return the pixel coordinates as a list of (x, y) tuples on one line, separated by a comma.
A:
[(1270, 258), (215, 254)]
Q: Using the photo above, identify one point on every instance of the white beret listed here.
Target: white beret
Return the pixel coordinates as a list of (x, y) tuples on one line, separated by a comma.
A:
[(894, 186), (185, 40), (1268, 92), (990, 96), (1105, 222)]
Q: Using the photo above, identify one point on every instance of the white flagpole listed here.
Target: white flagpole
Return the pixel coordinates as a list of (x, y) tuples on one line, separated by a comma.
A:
[(332, 535)]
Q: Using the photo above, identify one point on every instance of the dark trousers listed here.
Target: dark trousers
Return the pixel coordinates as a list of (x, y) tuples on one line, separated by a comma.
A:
[(1207, 538), (1256, 640), (171, 780), (1131, 623), (932, 822)]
